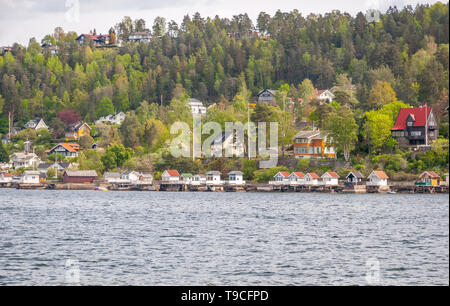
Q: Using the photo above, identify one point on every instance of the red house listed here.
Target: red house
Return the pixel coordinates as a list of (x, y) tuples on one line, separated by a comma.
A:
[(79, 177), (415, 126)]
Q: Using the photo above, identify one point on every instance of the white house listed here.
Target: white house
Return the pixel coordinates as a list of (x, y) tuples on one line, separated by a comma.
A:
[(297, 178), (198, 179), (130, 177), (146, 178), (186, 178), (36, 124), (236, 178), (29, 177), (44, 167), (112, 177), (170, 176), (377, 178), (280, 178), (5, 178), (267, 96), (24, 160), (311, 179), (117, 118), (197, 107), (325, 95), (445, 183), (213, 178), (330, 179), (140, 37)]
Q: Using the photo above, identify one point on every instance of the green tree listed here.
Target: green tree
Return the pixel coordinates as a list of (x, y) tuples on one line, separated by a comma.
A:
[(4, 157), (105, 107), (342, 130)]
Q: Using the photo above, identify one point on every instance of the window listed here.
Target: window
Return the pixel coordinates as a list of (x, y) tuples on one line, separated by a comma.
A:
[(416, 133), (410, 123)]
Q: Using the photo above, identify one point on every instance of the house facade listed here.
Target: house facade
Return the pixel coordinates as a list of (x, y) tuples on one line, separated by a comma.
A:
[(29, 177), (213, 178), (5, 178), (36, 124), (198, 179), (99, 40), (137, 37), (311, 179), (79, 176), (354, 178), (236, 178), (197, 107), (65, 149), (330, 178), (280, 178), (415, 126), (430, 178), (297, 178), (312, 144), (267, 96), (377, 178), (170, 176), (24, 160), (77, 130), (325, 95)]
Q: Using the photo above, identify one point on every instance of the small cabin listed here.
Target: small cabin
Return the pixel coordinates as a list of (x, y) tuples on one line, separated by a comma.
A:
[(297, 178), (377, 178), (198, 179), (79, 176), (112, 177), (311, 179), (130, 176), (330, 178), (5, 177), (145, 178), (354, 178), (445, 183), (281, 176), (170, 176), (429, 178), (213, 178), (30, 177), (236, 178), (186, 178)]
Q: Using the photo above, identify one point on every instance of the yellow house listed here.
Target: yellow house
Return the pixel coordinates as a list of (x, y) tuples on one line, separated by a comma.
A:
[(77, 130), (430, 178)]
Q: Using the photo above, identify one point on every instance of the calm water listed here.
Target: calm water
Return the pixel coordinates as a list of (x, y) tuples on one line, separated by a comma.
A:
[(156, 238)]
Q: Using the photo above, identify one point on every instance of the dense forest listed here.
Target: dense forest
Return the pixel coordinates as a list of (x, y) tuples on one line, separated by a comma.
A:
[(400, 60)]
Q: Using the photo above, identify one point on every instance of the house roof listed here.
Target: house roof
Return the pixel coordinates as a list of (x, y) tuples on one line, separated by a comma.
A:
[(71, 147), (76, 126), (187, 175), (268, 90), (236, 173), (356, 174), (419, 115), (307, 134), (30, 173), (381, 174), (111, 174), (431, 174), (283, 173), (81, 173), (332, 174), (298, 174), (6, 174), (313, 175), (173, 172), (213, 173)]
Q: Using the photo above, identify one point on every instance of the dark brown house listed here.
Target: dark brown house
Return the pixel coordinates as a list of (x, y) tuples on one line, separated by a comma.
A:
[(79, 177), (411, 124)]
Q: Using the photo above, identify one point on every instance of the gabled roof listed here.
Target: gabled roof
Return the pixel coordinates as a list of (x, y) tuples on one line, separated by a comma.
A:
[(271, 91), (236, 173), (187, 175), (331, 173), (298, 174), (418, 114), (356, 174), (313, 175), (283, 173), (172, 172), (213, 173), (6, 174), (380, 174), (76, 126), (431, 174), (307, 134)]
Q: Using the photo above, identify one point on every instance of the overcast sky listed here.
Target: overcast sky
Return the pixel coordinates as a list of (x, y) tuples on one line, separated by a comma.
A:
[(22, 19)]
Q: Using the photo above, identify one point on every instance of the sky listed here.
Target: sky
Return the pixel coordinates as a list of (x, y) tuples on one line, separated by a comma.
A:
[(21, 20)]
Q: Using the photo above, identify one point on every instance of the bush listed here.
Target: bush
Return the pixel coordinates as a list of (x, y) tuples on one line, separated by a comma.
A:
[(303, 164)]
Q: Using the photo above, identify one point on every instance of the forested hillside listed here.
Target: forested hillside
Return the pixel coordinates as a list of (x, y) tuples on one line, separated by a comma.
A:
[(403, 59)]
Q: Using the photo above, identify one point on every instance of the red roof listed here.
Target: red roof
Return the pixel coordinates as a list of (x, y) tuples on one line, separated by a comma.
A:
[(173, 172), (430, 174), (299, 174), (7, 174), (71, 147), (333, 174), (284, 173), (313, 175), (419, 114)]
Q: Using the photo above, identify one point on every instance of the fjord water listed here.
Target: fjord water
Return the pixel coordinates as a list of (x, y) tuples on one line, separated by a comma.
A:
[(157, 238)]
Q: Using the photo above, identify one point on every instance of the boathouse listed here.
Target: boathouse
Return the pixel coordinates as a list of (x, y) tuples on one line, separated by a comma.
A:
[(79, 176), (198, 179), (330, 178), (170, 176), (297, 178), (377, 178), (236, 178), (213, 178), (354, 178), (311, 179), (429, 178)]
